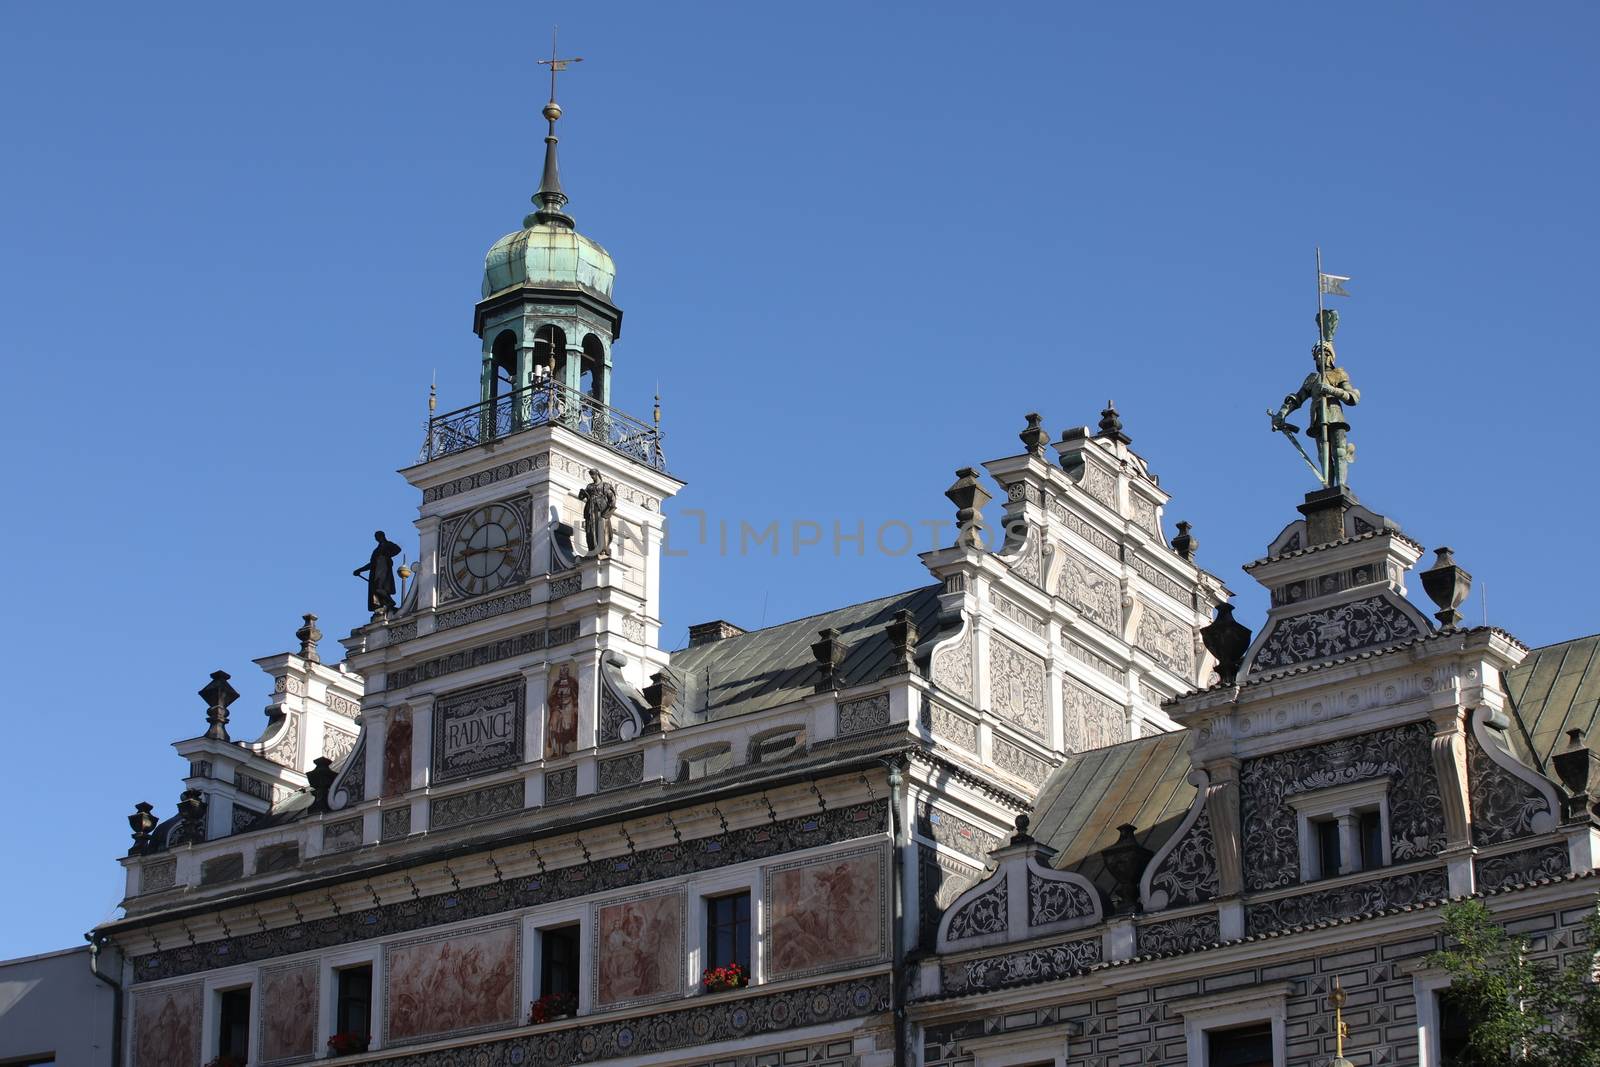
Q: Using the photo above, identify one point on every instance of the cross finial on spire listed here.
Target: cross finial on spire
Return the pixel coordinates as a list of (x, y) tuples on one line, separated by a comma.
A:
[(550, 196)]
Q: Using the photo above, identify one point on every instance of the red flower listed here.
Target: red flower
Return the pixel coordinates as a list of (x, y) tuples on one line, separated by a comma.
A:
[(552, 1006), (729, 976), (348, 1044)]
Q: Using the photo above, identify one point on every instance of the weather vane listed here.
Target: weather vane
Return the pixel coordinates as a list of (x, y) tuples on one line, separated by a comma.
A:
[(1329, 388), (556, 66)]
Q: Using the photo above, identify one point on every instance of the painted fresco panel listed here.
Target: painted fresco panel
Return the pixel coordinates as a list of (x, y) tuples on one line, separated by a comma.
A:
[(288, 1013), (452, 984), (397, 755), (639, 949), (166, 1026), (826, 913), (561, 711)]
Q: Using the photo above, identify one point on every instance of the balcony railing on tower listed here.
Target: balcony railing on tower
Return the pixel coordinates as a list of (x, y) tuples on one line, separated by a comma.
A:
[(547, 403)]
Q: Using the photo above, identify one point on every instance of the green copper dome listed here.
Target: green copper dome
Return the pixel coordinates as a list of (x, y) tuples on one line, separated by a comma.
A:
[(548, 253)]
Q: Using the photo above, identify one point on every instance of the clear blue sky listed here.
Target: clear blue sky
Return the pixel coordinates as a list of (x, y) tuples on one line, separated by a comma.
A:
[(855, 244)]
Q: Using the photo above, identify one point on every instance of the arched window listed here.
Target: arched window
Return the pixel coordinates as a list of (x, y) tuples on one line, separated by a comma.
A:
[(550, 352), (594, 369), (505, 364)]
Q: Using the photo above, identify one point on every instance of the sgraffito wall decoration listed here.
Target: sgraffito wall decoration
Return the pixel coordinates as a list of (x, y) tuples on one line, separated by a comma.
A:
[(166, 1026), (456, 983), (639, 949), (1271, 833), (1016, 686), (828, 913)]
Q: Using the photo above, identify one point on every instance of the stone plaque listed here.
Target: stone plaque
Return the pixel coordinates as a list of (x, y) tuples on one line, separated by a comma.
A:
[(478, 730)]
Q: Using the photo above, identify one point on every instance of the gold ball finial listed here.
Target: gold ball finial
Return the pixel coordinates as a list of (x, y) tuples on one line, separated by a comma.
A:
[(1337, 998), (552, 111)]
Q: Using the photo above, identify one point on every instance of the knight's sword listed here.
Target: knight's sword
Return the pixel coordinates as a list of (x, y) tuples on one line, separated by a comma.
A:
[(1289, 430)]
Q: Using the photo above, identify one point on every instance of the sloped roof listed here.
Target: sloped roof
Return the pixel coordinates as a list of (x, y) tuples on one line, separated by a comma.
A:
[(1556, 689), (1143, 782), (767, 668)]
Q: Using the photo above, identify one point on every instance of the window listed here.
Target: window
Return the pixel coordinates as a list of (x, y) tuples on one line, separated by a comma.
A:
[(1243, 1027), (1453, 1032), (1371, 830), (1328, 860), (1243, 1046), (1343, 829), (558, 961), (703, 762), (728, 931), (233, 1026), (353, 1007)]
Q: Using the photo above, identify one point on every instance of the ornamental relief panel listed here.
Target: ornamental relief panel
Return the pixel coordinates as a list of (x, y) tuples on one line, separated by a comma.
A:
[(1055, 900), (1357, 898), (981, 916), (1010, 609), (1179, 935), (1100, 484), (1504, 807), (336, 744), (1093, 592), (1520, 868), (1018, 968), (1188, 873), (1367, 623), (1268, 825), (285, 751), (1016, 686), (1024, 765), (1169, 642), (1029, 562), (952, 665), (1144, 513), (1329, 706), (1092, 721)]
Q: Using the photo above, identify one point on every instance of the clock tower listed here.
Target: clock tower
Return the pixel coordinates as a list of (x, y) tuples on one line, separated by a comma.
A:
[(512, 675)]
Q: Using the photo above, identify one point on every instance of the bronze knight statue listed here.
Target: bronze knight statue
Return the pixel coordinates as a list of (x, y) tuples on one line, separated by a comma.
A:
[(1329, 388)]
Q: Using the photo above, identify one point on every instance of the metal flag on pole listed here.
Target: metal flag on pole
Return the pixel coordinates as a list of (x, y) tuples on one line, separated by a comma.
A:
[(1333, 284)]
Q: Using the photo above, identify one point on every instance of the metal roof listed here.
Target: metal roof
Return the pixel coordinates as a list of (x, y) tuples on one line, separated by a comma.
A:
[(1143, 782), (1556, 689), (767, 668)]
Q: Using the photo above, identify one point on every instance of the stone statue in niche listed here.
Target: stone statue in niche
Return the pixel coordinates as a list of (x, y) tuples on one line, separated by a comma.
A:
[(599, 505), (379, 570), (561, 713), (397, 755)]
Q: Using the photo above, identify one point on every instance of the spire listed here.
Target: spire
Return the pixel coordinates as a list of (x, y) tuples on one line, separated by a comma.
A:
[(551, 198)]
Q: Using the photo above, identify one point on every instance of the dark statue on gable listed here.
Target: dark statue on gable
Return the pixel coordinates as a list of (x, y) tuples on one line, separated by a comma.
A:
[(380, 574), (599, 505), (1330, 389)]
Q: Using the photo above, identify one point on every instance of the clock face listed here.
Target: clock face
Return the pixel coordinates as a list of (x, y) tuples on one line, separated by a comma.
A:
[(489, 547)]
